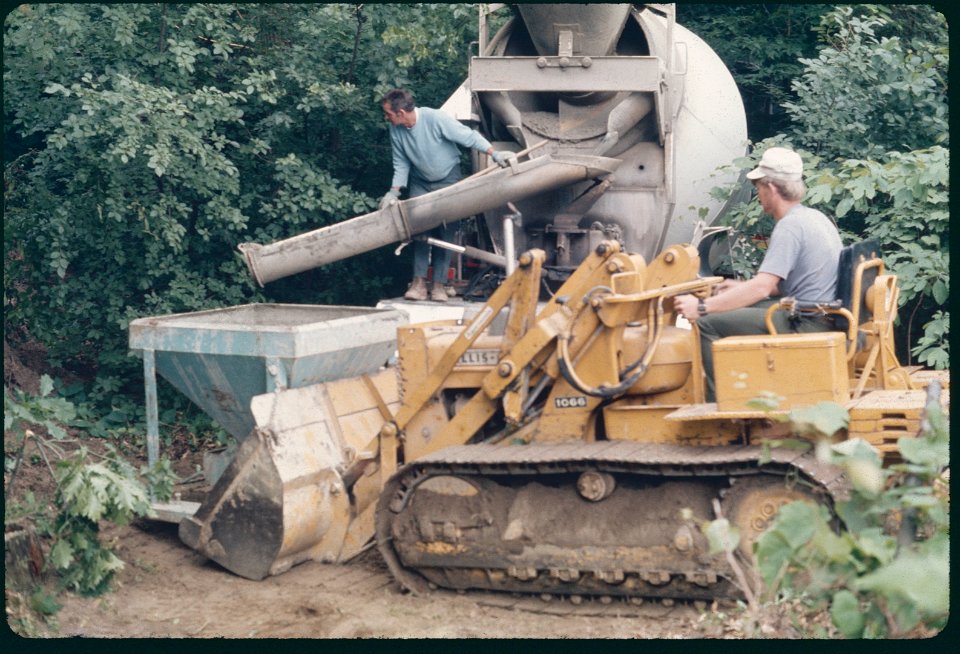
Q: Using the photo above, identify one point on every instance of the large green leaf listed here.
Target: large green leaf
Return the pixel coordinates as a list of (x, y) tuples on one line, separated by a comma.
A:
[(823, 418), (61, 554), (846, 614), (773, 553), (857, 448), (925, 451), (921, 577), (872, 542), (797, 522), (831, 546)]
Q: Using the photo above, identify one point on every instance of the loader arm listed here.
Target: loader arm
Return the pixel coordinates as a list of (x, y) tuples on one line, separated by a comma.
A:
[(585, 319), (526, 347), (520, 288)]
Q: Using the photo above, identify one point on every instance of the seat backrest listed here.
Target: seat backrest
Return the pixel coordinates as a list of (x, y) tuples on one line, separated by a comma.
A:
[(851, 257)]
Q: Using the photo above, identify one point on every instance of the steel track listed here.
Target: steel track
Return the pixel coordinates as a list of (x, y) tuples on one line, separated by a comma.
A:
[(584, 570)]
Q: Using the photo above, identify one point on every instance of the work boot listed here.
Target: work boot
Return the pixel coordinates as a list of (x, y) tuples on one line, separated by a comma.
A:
[(417, 290), (438, 293), (451, 291)]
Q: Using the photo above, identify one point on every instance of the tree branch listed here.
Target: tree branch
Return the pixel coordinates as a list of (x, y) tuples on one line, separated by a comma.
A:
[(361, 19)]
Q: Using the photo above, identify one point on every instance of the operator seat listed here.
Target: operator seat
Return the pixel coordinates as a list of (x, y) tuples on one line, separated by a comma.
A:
[(865, 311), (847, 284), (858, 269)]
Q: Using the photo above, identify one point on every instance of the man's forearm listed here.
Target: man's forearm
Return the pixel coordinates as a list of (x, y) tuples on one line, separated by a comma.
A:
[(739, 296)]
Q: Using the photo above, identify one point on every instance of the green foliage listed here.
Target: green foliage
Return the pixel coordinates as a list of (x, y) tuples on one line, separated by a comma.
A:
[(44, 603), (870, 121), (89, 489), (874, 583), (21, 410), (885, 92), (86, 494), (160, 479), (885, 574), (29, 613), (23, 413), (822, 418), (145, 142)]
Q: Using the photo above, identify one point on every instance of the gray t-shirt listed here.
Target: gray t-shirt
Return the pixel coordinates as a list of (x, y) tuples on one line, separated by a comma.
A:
[(804, 252)]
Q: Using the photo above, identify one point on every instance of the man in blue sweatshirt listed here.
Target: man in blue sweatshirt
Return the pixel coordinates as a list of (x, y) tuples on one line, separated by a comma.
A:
[(426, 158)]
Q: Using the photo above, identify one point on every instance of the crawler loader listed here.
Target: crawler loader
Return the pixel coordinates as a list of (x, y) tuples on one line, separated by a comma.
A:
[(551, 447)]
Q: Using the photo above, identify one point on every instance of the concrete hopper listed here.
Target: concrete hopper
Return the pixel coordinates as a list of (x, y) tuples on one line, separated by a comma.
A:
[(223, 358)]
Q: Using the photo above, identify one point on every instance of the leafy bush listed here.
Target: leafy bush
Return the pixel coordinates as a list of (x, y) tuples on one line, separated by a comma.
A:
[(876, 85), (870, 120), (876, 584), (86, 494), (886, 572), (90, 488)]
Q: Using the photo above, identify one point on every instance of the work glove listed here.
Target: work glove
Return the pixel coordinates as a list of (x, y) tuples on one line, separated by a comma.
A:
[(502, 157), (389, 199)]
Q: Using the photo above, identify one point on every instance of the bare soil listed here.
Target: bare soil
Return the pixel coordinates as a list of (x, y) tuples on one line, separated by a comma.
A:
[(167, 590)]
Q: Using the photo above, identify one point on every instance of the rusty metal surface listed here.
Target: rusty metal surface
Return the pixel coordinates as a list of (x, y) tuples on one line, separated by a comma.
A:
[(625, 545)]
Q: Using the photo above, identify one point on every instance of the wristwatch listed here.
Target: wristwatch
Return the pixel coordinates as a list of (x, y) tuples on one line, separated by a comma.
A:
[(702, 308)]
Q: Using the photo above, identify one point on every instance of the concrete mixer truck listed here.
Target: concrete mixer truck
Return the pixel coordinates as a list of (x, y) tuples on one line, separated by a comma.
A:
[(532, 444), (623, 118)]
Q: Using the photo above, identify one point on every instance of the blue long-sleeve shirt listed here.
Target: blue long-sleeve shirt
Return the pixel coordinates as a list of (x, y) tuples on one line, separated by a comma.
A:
[(430, 146)]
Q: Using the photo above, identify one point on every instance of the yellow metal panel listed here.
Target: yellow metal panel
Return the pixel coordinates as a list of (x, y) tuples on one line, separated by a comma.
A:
[(922, 378), (709, 411), (357, 411), (883, 417), (423, 428), (893, 404), (801, 368), (863, 426), (353, 396), (360, 531), (886, 424), (646, 424)]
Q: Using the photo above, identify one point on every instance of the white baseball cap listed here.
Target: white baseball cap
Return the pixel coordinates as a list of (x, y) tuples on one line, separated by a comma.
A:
[(780, 164)]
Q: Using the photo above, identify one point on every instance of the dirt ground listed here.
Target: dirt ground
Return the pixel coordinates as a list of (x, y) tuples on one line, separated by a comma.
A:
[(167, 590)]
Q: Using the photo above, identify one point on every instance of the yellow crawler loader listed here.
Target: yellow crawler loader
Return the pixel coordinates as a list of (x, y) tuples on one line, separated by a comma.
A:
[(551, 447)]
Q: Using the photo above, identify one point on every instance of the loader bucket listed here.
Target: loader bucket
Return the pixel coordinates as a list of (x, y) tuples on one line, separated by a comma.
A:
[(282, 500), (265, 515)]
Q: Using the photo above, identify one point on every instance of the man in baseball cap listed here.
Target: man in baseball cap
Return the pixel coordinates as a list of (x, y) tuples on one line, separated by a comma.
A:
[(801, 261), (779, 164)]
